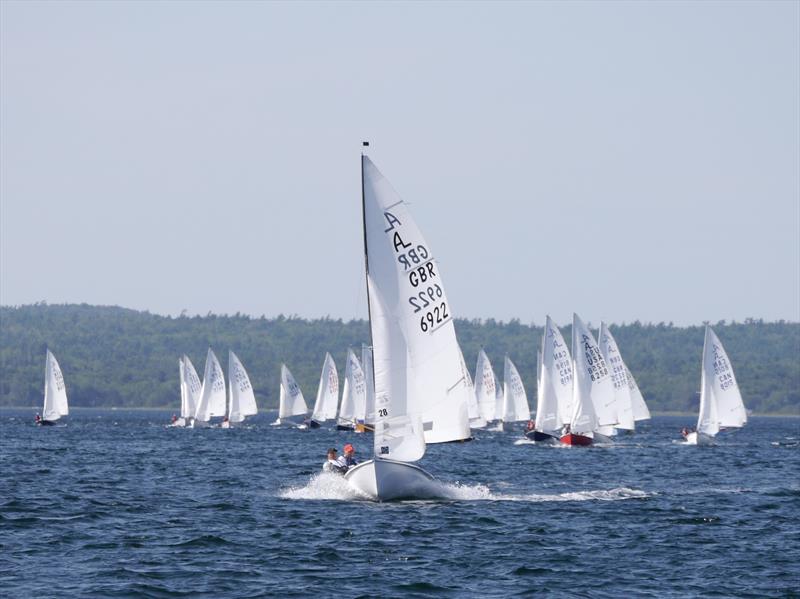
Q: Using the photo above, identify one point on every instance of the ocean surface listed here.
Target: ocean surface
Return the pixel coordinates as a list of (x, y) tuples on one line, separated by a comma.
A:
[(114, 504)]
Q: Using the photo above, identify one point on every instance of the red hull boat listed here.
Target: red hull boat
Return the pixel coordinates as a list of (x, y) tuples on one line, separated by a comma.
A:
[(573, 439)]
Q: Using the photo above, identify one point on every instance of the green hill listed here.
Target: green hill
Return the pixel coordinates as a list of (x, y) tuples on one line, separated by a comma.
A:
[(113, 356)]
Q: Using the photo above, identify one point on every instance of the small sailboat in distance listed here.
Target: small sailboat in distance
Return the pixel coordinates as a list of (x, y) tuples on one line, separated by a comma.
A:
[(327, 394), (55, 393), (191, 389), (485, 388), (212, 393), (592, 390), (420, 390), (241, 398), (354, 394), (554, 400), (515, 400), (291, 402), (721, 404)]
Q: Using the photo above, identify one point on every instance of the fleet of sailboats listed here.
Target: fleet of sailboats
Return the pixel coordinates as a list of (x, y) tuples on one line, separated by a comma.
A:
[(411, 386)]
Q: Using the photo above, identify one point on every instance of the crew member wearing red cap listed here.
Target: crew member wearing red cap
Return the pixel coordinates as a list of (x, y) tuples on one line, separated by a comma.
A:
[(350, 455)]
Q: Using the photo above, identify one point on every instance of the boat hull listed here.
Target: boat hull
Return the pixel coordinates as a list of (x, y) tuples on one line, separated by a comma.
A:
[(573, 439), (47, 423), (388, 480), (695, 438), (600, 438), (540, 437)]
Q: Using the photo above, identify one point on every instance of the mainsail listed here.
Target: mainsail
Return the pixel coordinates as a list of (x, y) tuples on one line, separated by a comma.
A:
[(191, 388), (485, 387), (354, 392), (55, 391), (721, 404), (619, 378), (327, 392), (292, 402), (473, 410), (592, 391), (419, 385), (515, 400), (554, 405), (242, 398), (212, 394)]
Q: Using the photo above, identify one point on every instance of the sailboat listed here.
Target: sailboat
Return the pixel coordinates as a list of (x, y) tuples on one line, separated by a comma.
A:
[(292, 402), (592, 390), (354, 395), (420, 390), (515, 400), (721, 404), (473, 409), (327, 394), (554, 394), (626, 391), (212, 393), (191, 388), (241, 398), (486, 388), (55, 393)]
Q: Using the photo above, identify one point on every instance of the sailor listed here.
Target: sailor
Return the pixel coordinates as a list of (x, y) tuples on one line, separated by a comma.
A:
[(350, 455), (685, 431), (334, 463), (531, 425), (174, 419), (37, 419)]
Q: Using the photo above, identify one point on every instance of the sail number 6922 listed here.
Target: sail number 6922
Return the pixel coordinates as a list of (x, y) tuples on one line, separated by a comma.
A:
[(434, 317)]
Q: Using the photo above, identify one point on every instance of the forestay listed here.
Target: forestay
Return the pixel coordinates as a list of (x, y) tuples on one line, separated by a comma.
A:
[(554, 405), (619, 378), (292, 402), (592, 391), (721, 404), (515, 399), (327, 392), (242, 398), (212, 393), (55, 391), (415, 352)]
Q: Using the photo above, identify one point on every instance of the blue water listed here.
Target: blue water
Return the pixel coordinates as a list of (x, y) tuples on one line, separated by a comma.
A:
[(116, 505)]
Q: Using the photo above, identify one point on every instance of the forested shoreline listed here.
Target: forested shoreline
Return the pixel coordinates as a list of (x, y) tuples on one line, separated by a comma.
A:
[(113, 356)]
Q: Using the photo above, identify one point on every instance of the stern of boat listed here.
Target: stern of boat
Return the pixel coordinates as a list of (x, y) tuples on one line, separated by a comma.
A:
[(388, 480)]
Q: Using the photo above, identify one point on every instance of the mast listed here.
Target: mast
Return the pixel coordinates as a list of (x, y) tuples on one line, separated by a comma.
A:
[(365, 144)]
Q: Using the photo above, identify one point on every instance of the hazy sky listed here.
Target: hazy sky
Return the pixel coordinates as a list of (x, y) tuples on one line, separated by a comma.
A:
[(633, 160)]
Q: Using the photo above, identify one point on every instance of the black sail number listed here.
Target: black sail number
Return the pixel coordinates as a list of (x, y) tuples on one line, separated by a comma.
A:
[(434, 317), (425, 298)]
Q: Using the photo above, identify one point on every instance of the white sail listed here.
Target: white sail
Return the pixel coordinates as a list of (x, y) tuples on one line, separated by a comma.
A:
[(327, 392), (554, 404), (485, 387), (499, 401), (619, 378), (55, 391), (415, 351), (366, 366), (212, 394), (240, 391), (515, 400), (592, 390), (640, 410), (473, 410), (292, 402), (721, 404), (354, 392), (192, 386)]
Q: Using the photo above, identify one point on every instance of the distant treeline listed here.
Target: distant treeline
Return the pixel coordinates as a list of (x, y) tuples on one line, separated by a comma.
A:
[(113, 356)]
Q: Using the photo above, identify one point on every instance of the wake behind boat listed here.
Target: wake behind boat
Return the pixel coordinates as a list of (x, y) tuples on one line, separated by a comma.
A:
[(420, 389)]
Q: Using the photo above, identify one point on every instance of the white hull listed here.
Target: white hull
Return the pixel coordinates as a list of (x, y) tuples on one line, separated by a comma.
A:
[(605, 439), (695, 438), (386, 480)]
